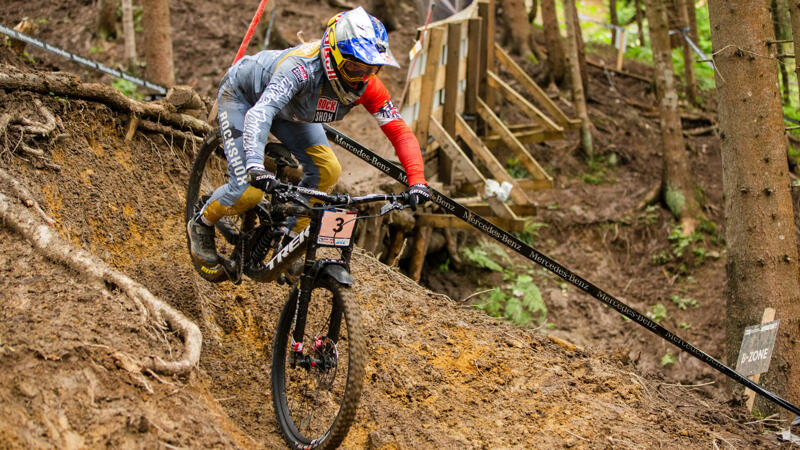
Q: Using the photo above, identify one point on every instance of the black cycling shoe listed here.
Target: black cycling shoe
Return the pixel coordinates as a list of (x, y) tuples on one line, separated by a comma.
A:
[(203, 247)]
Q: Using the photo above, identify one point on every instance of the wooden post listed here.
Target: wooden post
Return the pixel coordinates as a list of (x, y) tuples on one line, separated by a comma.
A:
[(398, 242), (422, 235), (473, 69), (450, 96), (486, 12), (621, 49), (768, 316), (428, 89)]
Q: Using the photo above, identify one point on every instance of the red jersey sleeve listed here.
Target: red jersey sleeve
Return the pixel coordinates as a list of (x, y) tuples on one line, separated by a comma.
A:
[(377, 101)]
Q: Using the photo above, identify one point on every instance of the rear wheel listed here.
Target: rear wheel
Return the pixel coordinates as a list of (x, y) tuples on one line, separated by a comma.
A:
[(315, 393)]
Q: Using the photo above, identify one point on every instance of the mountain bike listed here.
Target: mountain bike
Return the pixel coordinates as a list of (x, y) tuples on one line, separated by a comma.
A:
[(319, 351)]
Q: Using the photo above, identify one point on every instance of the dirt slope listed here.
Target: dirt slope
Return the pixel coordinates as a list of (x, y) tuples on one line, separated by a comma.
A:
[(438, 376)]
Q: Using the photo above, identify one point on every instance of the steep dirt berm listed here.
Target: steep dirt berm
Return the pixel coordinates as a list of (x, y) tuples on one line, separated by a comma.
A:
[(439, 375)]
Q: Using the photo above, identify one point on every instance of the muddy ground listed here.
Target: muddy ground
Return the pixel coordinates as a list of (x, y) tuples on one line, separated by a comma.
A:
[(441, 374)]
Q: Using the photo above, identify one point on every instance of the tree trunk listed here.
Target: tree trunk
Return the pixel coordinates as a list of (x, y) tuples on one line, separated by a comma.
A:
[(554, 43), (570, 17), (578, 36), (692, 10), (778, 14), (107, 19), (639, 26), (158, 42), (794, 13), (130, 36), (677, 187), (762, 265), (516, 28), (688, 59), (613, 19)]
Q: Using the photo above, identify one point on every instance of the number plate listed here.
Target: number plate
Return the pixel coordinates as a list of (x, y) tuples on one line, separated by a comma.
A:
[(337, 228)]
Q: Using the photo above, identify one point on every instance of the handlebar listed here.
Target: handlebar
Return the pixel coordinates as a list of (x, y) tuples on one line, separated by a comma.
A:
[(398, 201)]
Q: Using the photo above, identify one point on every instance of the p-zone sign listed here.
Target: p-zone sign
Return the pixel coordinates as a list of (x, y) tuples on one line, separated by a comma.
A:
[(756, 351)]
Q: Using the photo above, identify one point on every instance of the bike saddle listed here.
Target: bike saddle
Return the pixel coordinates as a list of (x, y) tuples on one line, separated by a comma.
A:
[(281, 154)]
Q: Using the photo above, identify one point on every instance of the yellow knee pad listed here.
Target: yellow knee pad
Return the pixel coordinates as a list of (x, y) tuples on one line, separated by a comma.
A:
[(250, 198), (329, 170)]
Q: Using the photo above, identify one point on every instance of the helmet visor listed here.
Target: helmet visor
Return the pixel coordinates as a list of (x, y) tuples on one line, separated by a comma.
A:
[(355, 72)]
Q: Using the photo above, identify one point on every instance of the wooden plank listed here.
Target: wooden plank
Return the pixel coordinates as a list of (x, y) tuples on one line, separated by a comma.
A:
[(484, 209), (538, 94), (451, 148), (529, 184), (514, 145), (473, 67), (522, 103), (466, 167), (450, 96), (448, 221), (484, 47), (465, 14), (531, 136), (427, 88), (497, 170)]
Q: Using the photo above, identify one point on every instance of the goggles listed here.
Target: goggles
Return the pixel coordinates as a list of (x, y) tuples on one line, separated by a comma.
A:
[(355, 72)]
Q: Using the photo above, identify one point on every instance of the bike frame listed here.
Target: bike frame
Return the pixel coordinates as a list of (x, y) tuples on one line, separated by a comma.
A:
[(307, 240)]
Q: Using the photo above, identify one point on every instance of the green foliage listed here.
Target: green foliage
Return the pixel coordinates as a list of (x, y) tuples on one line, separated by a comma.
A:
[(445, 266), (662, 258), (680, 242), (481, 255), (599, 168), (530, 231), (128, 88), (684, 325), (650, 215), (667, 359), (518, 301), (515, 169), (657, 313), (28, 57), (684, 302), (137, 18), (95, 50)]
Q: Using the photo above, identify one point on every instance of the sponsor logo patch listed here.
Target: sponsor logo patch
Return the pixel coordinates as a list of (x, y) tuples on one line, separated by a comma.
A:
[(326, 110), (300, 73), (387, 113)]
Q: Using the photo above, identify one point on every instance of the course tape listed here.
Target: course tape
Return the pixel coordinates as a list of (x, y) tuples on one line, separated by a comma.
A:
[(86, 62), (509, 240)]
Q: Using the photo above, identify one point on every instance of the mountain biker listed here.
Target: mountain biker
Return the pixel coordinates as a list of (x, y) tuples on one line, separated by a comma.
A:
[(290, 93)]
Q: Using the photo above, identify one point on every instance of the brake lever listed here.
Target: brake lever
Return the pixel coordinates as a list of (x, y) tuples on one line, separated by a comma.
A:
[(385, 209)]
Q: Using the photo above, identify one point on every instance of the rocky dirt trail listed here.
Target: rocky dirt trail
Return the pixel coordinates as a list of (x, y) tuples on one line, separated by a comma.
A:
[(440, 374)]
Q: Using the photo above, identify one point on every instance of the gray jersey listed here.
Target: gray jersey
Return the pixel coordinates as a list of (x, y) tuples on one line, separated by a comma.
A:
[(289, 84)]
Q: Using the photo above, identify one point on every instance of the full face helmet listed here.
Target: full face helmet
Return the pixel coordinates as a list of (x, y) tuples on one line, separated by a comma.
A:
[(355, 46)]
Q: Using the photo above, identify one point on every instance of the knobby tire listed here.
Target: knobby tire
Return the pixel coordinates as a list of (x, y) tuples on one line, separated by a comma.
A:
[(350, 344)]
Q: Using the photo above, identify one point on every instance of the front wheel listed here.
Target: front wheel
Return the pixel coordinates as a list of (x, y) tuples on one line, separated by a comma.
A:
[(315, 392)]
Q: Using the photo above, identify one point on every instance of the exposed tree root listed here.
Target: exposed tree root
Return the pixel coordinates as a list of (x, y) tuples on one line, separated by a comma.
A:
[(23, 194), (60, 83), (47, 241)]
